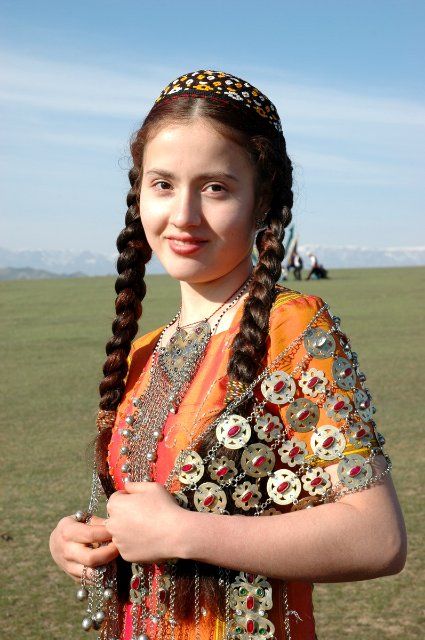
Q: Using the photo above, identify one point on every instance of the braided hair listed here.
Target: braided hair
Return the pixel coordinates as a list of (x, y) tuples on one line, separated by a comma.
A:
[(273, 186)]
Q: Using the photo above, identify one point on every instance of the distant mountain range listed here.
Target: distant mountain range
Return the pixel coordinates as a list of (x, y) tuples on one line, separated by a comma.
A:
[(27, 264)]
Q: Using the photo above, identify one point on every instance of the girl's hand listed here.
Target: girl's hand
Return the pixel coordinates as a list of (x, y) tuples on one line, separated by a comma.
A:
[(70, 545), (145, 522)]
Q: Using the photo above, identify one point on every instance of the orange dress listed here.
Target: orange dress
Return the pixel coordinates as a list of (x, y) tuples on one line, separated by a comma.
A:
[(205, 399)]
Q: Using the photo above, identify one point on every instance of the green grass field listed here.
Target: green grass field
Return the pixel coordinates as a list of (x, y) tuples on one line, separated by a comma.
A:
[(53, 336)]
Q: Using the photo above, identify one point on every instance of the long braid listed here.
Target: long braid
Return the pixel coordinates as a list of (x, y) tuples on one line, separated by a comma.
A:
[(134, 253), (249, 345)]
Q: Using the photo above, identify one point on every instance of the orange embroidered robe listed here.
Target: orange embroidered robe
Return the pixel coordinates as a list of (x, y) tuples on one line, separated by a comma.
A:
[(203, 401)]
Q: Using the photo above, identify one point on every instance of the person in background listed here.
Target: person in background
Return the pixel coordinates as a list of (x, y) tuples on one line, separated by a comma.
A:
[(316, 270)]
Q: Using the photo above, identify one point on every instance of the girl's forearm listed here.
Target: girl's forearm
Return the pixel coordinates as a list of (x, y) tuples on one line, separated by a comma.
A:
[(334, 542)]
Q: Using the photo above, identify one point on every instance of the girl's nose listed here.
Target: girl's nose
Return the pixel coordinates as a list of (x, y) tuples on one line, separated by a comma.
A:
[(186, 209)]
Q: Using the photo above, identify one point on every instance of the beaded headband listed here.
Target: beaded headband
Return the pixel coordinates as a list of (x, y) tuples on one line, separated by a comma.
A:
[(226, 87)]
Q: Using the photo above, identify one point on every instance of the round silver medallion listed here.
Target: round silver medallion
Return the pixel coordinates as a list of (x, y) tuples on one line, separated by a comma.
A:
[(209, 497), (313, 382), (363, 404), (192, 468), (302, 415), (278, 388), (344, 373), (316, 481), (319, 343), (268, 427), (338, 407), (233, 431), (246, 495), (327, 442), (354, 471), (257, 460), (222, 469), (283, 486), (360, 434), (293, 452)]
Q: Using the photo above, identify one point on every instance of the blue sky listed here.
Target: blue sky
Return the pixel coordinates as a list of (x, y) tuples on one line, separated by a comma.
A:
[(346, 77)]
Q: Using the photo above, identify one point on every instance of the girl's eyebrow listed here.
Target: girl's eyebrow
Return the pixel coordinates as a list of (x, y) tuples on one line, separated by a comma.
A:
[(212, 175)]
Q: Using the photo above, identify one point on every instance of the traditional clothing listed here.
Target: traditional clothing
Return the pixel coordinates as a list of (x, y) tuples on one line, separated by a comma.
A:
[(312, 410)]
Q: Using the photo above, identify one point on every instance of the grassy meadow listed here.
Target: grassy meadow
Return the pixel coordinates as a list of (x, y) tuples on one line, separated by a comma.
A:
[(52, 349)]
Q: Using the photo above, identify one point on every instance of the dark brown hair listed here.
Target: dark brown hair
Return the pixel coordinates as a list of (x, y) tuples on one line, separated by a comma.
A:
[(267, 151)]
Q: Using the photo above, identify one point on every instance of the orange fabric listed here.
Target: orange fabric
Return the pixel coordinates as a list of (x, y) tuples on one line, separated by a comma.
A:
[(203, 401)]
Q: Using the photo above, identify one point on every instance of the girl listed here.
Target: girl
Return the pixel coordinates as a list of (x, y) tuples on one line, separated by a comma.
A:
[(250, 403)]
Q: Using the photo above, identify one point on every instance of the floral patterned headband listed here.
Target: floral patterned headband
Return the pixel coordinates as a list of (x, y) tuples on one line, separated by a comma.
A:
[(224, 86)]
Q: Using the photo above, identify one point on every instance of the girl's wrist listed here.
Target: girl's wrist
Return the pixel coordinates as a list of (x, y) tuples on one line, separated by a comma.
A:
[(187, 534)]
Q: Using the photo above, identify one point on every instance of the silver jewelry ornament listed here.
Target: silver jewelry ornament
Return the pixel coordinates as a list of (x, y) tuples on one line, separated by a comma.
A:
[(316, 481), (283, 486), (192, 468), (82, 594), (327, 442), (354, 471), (233, 431), (319, 343), (344, 373), (338, 407), (293, 452), (257, 460), (363, 404), (302, 415), (222, 470), (246, 495), (268, 427), (278, 388), (313, 382), (209, 497)]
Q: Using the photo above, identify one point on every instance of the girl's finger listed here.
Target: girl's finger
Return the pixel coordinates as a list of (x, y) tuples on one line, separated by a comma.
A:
[(85, 533), (97, 557)]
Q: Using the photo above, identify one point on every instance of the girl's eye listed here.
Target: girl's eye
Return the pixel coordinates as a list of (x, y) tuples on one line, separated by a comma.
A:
[(217, 188), (160, 185)]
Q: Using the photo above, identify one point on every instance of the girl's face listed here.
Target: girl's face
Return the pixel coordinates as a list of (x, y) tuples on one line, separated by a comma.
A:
[(197, 202)]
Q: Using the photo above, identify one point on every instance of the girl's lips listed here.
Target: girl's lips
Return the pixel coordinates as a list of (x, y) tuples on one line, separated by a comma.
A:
[(185, 247)]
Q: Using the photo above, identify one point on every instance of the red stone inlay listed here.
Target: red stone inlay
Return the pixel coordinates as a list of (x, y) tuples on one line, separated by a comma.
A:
[(316, 481), (222, 472), (279, 386), (328, 442), (209, 500), (312, 383), (283, 487), (246, 496), (251, 577), (233, 431), (360, 433), (270, 426), (162, 595), (355, 471), (303, 415), (257, 462), (188, 467), (294, 451), (339, 405), (347, 372), (135, 582), (250, 626), (250, 602)]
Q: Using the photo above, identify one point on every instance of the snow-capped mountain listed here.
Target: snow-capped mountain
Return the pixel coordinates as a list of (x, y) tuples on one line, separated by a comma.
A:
[(67, 262), (340, 257), (99, 264)]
